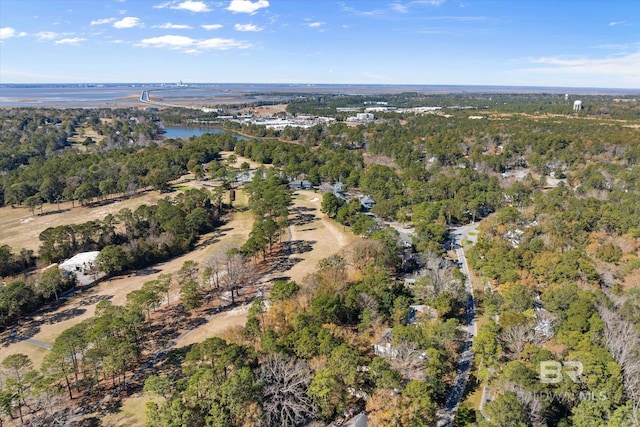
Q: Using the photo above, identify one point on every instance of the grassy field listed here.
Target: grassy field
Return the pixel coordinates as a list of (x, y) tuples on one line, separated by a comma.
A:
[(313, 237), (20, 229), (82, 306)]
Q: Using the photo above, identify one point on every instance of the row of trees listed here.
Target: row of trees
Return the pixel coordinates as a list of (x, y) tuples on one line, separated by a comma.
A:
[(140, 237), (269, 199)]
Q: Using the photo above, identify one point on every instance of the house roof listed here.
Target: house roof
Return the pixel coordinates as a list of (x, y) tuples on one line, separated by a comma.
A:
[(367, 200)]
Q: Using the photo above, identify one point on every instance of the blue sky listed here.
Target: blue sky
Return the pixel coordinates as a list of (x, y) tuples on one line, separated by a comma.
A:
[(567, 43)]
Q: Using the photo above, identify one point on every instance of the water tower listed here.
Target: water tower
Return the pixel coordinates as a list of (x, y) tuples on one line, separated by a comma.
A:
[(577, 105)]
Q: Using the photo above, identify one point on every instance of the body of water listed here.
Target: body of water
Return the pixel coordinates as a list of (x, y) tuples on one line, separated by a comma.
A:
[(188, 132), (121, 94), (67, 96)]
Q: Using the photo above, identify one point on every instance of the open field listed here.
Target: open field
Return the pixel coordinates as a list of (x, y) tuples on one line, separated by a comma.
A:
[(131, 413), (85, 132), (19, 229)]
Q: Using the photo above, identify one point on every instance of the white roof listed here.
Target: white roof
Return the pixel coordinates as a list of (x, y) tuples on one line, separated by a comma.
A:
[(79, 260)]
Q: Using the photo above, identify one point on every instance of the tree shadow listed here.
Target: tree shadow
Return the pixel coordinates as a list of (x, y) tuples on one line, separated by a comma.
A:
[(303, 219), (302, 216), (63, 315), (26, 332), (207, 242), (57, 211), (146, 271), (93, 299), (299, 246)]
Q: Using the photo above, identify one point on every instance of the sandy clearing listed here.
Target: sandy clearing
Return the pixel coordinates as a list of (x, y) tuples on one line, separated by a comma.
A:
[(218, 324), (326, 235)]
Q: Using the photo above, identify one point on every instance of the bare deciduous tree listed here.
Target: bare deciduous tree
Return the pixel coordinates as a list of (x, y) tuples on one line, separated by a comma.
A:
[(515, 337), (409, 360), (284, 392), (238, 274), (362, 253), (623, 342), (438, 277)]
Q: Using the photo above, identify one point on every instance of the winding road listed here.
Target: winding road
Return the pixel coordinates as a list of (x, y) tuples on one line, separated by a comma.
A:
[(447, 414)]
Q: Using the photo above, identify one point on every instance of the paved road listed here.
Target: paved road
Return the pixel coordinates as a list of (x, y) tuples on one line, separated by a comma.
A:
[(42, 344), (465, 361)]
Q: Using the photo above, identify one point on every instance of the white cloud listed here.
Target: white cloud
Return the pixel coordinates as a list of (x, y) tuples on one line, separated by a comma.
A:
[(71, 41), (222, 44), (210, 27), (400, 8), (247, 6), (46, 35), (430, 2), (103, 21), (170, 26), (247, 27), (189, 5), (614, 23), (608, 71), (315, 24), (7, 33), (128, 22), (191, 45), (168, 41)]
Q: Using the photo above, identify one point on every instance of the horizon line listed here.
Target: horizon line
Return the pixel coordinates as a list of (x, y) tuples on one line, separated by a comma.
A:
[(187, 84)]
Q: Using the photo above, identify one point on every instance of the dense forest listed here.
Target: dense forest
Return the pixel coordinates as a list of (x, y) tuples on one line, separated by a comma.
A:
[(555, 269)]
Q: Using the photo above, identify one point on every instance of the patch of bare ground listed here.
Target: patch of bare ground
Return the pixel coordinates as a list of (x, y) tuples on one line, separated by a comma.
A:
[(240, 160), (265, 110), (379, 160)]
